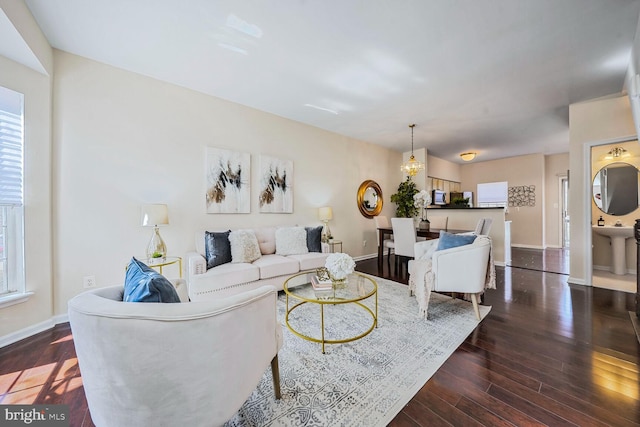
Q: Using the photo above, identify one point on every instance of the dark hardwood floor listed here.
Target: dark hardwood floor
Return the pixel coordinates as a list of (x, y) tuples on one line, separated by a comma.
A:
[(548, 353)]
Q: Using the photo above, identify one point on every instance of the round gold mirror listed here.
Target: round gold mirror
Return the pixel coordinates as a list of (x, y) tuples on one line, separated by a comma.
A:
[(615, 188), (369, 199)]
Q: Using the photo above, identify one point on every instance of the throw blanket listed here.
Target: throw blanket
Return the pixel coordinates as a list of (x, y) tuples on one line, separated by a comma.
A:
[(421, 280)]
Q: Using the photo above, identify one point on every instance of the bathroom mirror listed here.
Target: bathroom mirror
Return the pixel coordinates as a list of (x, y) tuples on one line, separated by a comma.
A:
[(615, 189), (369, 199)]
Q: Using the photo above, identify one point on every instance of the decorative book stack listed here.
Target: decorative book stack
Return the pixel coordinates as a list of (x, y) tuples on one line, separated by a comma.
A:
[(320, 284)]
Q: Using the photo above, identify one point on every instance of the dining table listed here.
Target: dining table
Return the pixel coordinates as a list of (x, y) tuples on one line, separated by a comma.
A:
[(432, 233)]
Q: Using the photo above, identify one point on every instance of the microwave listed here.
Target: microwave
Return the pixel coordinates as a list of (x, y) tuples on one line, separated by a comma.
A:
[(438, 197)]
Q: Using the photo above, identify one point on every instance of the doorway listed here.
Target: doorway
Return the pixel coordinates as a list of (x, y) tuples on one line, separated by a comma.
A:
[(564, 211)]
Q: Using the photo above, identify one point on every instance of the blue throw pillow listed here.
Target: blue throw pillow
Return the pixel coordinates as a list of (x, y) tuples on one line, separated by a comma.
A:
[(449, 240), (144, 284), (217, 248), (314, 238)]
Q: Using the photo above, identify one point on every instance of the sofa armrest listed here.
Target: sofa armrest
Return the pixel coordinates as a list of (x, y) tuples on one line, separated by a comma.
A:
[(196, 264), (461, 269), (181, 289), (424, 249)]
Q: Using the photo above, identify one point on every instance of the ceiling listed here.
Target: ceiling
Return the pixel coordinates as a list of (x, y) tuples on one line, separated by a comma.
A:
[(491, 76)]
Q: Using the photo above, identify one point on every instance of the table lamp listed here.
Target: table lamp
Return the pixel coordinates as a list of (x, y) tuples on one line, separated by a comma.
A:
[(152, 216), (325, 215)]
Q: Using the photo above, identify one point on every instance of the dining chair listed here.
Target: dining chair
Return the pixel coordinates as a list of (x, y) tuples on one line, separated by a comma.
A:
[(483, 226), (383, 222), (404, 232), (439, 222)]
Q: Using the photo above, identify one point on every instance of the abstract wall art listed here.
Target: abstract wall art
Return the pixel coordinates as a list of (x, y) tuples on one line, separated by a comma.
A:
[(276, 185), (524, 195), (228, 181)]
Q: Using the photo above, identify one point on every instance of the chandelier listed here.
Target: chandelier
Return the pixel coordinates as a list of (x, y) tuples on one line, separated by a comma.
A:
[(412, 166)]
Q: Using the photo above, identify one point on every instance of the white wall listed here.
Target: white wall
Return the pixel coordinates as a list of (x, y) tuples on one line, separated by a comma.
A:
[(591, 122), (443, 169), (34, 314), (527, 222), (122, 139)]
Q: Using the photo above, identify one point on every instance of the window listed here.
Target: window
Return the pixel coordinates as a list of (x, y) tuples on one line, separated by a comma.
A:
[(12, 283), (493, 194)]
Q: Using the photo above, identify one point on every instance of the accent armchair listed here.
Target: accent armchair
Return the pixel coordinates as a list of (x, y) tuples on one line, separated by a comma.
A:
[(188, 364), (463, 269)]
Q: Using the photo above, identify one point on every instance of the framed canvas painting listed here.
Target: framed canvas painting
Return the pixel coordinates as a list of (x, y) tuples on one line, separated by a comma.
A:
[(276, 185), (228, 181)]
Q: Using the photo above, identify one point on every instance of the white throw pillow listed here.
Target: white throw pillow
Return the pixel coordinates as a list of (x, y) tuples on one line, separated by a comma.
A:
[(244, 246), (266, 240), (291, 241)]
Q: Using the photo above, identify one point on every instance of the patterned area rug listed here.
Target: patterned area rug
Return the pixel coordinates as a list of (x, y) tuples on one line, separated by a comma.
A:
[(364, 382)]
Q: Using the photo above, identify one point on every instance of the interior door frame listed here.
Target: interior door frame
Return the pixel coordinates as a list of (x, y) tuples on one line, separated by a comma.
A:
[(586, 205), (563, 200)]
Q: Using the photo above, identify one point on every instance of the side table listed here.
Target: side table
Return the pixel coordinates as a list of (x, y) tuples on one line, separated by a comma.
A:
[(333, 243), (163, 262)]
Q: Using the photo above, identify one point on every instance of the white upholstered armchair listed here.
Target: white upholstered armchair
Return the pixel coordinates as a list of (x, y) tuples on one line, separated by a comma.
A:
[(463, 269), (188, 364)]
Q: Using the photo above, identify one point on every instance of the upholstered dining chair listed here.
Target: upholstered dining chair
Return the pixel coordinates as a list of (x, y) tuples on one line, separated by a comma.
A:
[(404, 233), (383, 222), (181, 364), (439, 222), (483, 227)]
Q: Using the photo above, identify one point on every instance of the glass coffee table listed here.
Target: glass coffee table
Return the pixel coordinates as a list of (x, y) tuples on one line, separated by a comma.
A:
[(357, 288)]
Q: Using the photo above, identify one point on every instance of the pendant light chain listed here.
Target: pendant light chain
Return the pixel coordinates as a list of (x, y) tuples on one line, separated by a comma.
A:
[(412, 126)]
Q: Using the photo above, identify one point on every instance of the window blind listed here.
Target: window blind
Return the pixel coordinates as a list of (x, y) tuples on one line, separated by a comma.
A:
[(493, 192), (10, 158)]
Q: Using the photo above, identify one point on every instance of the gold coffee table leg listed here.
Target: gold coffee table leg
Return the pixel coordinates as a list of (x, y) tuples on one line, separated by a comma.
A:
[(322, 324)]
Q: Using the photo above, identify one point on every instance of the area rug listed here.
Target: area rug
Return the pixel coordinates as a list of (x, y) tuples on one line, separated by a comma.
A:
[(364, 382)]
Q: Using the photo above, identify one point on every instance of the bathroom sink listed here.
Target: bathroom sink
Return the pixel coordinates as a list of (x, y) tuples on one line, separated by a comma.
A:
[(613, 231), (618, 235)]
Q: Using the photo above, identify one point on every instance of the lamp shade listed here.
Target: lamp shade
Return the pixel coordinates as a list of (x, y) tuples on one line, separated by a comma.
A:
[(325, 213), (156, 214)]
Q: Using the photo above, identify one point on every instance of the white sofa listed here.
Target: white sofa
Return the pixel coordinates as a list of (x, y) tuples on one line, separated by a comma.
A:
[(231, 278)]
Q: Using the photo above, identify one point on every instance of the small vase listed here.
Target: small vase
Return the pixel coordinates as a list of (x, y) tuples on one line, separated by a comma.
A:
[(339, 283), (425, 224)]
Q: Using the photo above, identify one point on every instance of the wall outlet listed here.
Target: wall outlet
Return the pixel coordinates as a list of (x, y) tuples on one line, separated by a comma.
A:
[(364, 243), (89, 281)]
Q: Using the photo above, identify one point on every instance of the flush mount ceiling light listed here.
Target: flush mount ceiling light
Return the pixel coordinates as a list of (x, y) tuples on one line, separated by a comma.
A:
[(412, 166), (467, 157), (616, 152)]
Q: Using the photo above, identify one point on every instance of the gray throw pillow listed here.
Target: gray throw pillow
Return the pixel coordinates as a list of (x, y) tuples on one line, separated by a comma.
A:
[(217, 248), (314, 238)]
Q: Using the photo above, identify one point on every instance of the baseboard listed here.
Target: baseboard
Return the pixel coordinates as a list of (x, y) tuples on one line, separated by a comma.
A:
[(608, 269), (32, 330), (552, 247), (518, 245), (60, 318), (499, 263), (363, 257), (576, 281)]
